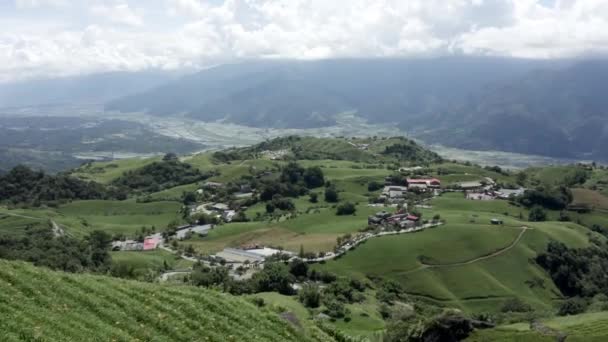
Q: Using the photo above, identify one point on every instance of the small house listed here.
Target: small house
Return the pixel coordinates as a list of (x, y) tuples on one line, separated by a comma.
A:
[(496, 221)]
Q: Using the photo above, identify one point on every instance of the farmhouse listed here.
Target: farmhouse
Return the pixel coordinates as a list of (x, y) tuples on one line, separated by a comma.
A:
[(470, 185), (219, 207), (509, 193), (212, 185), (182, 233), (428, 182), (127, 245), (394, 193), (480, 196), (151, 243), (496, 221), (234, 255)]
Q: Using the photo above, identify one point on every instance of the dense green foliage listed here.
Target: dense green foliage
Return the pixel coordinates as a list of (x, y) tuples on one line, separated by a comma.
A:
[(41, 247), (410, 151), (23, 185), (346, 208), (161, 175), (555, 198), (293, 181), (577, 272)]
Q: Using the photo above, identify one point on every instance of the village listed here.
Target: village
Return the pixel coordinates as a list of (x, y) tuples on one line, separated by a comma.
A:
[(394, 218)]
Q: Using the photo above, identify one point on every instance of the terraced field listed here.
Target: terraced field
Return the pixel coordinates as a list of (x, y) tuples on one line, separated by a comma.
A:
[(591, 327), (50, 306)]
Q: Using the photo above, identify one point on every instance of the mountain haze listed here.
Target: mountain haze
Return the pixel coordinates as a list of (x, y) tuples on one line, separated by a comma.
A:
[(94, 88)]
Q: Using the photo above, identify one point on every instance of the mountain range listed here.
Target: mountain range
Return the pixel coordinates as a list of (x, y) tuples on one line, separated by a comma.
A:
[(546, 107)]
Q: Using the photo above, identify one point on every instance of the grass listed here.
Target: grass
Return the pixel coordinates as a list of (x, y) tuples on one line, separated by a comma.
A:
[(583, 327), (478, 287), (43, 305), (116, 217), (150, 260), (106, 172), (590, 198)]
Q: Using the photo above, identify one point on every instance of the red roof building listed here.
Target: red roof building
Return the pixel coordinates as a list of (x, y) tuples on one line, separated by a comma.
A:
[(151, 243), (412, 218)]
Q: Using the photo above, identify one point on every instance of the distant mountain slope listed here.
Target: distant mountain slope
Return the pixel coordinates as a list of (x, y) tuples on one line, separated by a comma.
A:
[(560, 113), (309, 93), (95, 88), (551, 108), (42, 305)]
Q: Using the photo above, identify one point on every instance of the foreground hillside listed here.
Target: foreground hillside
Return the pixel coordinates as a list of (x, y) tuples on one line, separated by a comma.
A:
[(43, 305)]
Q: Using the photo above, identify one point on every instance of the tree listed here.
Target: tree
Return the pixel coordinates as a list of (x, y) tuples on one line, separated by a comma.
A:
[(298, 267), (374, 186), (331, 195), (188, 198), (313, 177), (572, 306), (275, 277), (313, 197), (537, 214), (346, 208), (310, 296), (170, 157)]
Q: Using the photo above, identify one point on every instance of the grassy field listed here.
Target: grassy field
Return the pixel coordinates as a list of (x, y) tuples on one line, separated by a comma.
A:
[(477, 287), (584, 327), (154, 260), (590, 198), (50, 306), (365, 320), (105, 172), (115, 217)]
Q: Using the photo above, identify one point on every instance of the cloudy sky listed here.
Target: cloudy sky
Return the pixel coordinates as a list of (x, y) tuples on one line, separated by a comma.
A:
[(42, 38)]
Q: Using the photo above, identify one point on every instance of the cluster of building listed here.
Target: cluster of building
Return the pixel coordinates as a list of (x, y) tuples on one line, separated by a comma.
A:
[(399, 219), (423, 184), (254, 255), (490, 194), (398, 193), (149, 243)]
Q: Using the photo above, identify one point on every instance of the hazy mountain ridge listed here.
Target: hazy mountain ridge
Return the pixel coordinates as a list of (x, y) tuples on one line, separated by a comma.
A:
[(300, 94), (94, 88)]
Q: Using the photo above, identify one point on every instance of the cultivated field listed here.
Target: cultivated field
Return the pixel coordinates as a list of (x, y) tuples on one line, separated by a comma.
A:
[(42, 305)]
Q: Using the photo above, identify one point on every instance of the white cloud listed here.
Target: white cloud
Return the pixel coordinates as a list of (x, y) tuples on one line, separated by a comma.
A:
[(112, 35), (119, 13), (25, 4)]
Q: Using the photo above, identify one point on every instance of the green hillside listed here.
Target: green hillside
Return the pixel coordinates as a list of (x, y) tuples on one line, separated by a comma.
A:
[(50, 306), (590, 327), (479, 284)]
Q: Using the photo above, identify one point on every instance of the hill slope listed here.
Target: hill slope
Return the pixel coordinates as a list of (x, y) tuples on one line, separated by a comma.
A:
[(50, 306), (300, 94)]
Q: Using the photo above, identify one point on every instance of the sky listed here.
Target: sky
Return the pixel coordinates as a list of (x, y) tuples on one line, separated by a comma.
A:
[(51, 38)]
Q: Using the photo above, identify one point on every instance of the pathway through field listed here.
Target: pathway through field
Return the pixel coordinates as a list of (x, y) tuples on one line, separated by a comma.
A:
[(468, 262)]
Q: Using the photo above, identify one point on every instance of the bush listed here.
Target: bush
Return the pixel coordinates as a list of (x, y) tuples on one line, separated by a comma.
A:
[(310, 296), (331, 195), (537, 214), (346, 208), (515, 305), (313, 197), (572, 306), (374, 186)]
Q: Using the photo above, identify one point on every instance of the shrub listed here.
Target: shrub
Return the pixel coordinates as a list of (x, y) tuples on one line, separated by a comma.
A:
[(346, 208), (331, 195), (537, 214), (572, 306)]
